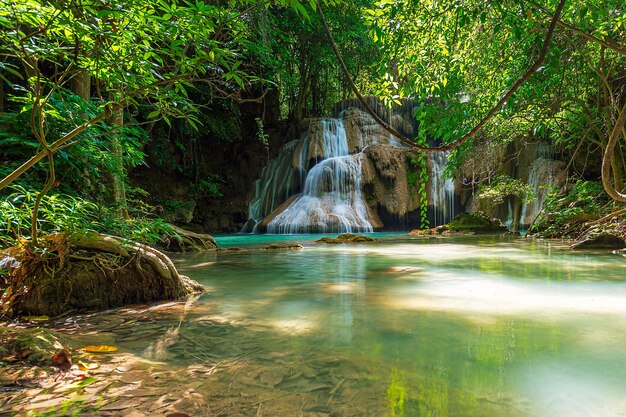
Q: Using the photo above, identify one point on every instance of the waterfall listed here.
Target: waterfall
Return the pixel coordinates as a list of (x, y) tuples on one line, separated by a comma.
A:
[(442, 191), (277, 183), (509, 217), (315, 184), (544, 173), (331, 198)]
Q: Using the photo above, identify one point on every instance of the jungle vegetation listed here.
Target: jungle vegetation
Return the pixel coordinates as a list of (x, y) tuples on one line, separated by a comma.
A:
[(87, 87)]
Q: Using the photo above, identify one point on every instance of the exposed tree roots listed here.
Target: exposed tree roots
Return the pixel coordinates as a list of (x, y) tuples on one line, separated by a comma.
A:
[(88, 273)]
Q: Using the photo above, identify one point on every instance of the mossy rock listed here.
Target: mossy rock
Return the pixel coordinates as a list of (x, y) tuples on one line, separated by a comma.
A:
[(284, 246), (475, 222), (601, 241), (186, 241), (271, 247), (346, 238)]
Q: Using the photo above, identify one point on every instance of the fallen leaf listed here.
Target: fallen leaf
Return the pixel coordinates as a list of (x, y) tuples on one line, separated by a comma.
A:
[(35, 318), (177, 415), (87, 366), (120, 405), (99, 349), (78, 384)]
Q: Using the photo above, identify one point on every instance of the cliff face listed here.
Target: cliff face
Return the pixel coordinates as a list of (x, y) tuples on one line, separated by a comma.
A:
[(392, 202), (533, 162), (369, 158)]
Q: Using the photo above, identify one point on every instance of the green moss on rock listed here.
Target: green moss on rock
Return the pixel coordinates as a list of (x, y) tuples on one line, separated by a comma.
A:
[(346, 238)]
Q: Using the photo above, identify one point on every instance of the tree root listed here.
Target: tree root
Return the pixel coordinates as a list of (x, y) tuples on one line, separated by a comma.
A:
[(91, 273)]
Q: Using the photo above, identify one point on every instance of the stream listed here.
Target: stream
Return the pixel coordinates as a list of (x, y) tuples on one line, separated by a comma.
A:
[(470, 326)]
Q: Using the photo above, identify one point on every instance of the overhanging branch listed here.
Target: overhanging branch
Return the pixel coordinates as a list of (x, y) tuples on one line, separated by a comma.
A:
[(480, 124)]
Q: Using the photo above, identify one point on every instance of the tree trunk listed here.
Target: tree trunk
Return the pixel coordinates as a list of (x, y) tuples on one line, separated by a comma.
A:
[(81, 84), (1, 96), (117, 174)]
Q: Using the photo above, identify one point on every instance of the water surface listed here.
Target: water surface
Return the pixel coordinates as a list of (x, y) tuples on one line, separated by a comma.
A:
[(481, 326)]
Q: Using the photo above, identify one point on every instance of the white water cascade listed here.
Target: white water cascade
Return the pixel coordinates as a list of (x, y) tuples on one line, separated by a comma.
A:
[(315, 184), (544, 174), (331, 199), (442, 190)]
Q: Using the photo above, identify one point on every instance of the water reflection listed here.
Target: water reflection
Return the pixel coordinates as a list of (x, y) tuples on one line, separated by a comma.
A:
[(416, 328)]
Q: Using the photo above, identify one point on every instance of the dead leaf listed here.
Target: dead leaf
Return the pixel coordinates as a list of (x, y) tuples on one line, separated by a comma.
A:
[(120, 405), (87, 366), (99, 349)]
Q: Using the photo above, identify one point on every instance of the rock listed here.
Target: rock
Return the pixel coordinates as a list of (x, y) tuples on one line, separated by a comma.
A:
[(601, 241), (271, 247), (474, 222), (284, 246), (426, 232), (346, 238), (386, 185)]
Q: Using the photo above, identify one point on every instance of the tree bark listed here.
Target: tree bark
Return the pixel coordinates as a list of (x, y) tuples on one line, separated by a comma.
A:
[(81, 84), (117, 175)]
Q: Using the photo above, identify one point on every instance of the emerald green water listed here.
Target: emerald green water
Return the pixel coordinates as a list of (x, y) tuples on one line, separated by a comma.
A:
[(405, 327)]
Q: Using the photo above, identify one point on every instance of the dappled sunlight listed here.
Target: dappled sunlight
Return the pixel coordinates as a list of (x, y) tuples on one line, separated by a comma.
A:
[(452, 328), (201, 264), (294, 326), (343, 287), (566, 390), (477, 294)]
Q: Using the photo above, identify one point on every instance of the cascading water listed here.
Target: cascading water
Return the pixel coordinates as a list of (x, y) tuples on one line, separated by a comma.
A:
[(331, 198), (272, 189), (442, 190), (316, 182), (544, 173)]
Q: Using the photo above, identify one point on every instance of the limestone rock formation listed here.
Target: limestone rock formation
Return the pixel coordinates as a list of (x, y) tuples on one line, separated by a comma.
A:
[(385, 183)]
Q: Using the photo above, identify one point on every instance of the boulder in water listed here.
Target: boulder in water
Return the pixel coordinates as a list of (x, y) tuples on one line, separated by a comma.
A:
[(467, 223), (601, 241), (346, 238)]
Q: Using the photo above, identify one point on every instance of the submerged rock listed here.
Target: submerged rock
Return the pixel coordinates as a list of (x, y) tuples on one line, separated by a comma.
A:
[(601, 241), (271, 247), (346, 238)]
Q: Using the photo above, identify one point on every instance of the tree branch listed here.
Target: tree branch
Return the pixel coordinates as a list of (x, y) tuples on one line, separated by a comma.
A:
[(607, 158), (481, 123), (607, 43)]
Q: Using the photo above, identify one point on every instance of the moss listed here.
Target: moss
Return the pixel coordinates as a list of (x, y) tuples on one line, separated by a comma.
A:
[(475, 222), (346, 238)]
